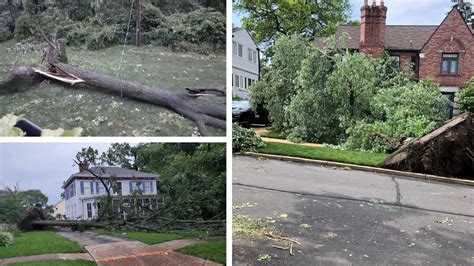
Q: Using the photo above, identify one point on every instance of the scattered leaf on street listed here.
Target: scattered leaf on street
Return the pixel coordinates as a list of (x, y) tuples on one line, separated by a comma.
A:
[(264, 257), (284, 215)]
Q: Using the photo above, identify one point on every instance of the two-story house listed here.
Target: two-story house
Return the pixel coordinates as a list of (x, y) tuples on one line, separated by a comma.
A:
[(245, 62), (83, 191), (444, 52)]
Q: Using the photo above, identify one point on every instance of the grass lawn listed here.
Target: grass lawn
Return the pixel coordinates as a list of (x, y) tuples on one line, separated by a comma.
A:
[(214, 250), (324, 153), (58, 263), (39, 242), (275, 135), (153, 238)]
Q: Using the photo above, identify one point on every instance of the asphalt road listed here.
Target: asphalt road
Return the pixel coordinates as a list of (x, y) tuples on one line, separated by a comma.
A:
[(352, 217)]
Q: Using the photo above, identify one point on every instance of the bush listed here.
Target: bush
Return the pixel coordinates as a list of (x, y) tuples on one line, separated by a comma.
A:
[(466, 98), (6, 239), (244, 139)]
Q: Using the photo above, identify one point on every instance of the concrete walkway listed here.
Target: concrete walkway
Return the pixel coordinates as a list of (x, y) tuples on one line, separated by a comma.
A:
[(138, 253), (259, 131), (88, 238), (56, 256)]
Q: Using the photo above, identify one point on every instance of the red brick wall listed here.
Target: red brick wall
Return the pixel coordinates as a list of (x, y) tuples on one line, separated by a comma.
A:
[(451, 36)]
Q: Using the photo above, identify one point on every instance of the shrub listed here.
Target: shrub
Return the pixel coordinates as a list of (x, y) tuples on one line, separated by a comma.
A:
[(6, 239), (244, 139), (466, 97)]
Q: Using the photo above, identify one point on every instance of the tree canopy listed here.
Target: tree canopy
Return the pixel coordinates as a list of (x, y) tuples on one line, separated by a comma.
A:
[(266, 20), (465, 7)]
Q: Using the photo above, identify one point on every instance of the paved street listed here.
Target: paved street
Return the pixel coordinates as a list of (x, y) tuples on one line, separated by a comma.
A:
[(352, 217)]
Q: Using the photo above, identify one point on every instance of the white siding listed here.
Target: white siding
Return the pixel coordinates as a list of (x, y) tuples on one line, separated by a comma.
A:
[(76, 206), (245, 63)]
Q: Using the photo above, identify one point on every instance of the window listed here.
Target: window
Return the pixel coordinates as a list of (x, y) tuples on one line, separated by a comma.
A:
[(250, 82), (89, 210), (254, 53), (449, 65), (414, 63), (241, 81), (249, 54), (236, 83), (234, 48), (82, 187), (147, 187), (237, 49), (119, 188)]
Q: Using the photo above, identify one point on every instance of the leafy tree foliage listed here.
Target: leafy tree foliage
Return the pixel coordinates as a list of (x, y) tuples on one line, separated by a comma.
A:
[(465, 7), (192, 175), (279, 81), (13, 203), (245, 139), (99, 24), (334, 96), (466, 97), (267, 19)]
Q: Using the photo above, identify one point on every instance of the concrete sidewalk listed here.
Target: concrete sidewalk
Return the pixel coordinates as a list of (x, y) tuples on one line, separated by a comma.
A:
[(138, 253), (56, 256)]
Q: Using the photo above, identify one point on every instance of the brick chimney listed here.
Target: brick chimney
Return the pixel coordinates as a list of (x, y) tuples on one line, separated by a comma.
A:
[(83, 166), (372, 28)]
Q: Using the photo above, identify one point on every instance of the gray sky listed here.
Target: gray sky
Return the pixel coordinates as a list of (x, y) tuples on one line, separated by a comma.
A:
[(41, 166), (401, 12)]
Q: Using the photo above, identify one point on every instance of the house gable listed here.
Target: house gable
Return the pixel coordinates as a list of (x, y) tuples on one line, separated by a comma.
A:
[(452, 36)]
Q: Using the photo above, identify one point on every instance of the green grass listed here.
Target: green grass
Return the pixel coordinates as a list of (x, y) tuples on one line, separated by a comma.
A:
[(151, 238), (39, 242), (101, 113), (214, 250), (324, 153), (275, 135), (58, 263)]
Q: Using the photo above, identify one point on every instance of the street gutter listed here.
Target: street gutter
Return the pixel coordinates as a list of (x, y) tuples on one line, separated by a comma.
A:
[(361, 168)]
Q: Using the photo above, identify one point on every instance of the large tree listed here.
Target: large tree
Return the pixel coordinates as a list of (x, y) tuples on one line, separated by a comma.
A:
[(465, 7), (267, 19)]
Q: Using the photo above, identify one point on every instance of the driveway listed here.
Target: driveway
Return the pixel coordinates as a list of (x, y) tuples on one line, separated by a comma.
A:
[(351, 217)]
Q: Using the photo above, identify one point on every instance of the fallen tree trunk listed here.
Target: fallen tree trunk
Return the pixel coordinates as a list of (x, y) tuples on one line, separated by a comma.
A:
[(190, 103), (446, 151)]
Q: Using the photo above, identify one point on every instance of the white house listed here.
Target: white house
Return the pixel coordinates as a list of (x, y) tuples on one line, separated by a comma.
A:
[(245, 62), (59, 209), (83, 191)]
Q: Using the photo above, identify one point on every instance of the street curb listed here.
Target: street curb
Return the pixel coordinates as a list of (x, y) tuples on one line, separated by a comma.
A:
[(362, 168)]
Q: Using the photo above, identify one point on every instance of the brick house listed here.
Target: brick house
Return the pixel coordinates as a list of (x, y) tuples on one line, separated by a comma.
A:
[(444, 52)]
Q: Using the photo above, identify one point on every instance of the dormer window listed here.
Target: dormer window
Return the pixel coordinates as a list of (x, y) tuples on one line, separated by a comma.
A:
[(449, 65)]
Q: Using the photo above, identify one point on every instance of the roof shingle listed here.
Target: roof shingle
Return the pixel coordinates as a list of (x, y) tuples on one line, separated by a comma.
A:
[(397, 37)]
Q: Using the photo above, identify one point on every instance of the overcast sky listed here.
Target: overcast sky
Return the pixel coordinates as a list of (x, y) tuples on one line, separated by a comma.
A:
[(401, 12), (41, 166)]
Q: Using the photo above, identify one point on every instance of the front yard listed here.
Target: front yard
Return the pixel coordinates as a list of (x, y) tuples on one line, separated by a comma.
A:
[(39, 242), (324, 153), (150, 238)]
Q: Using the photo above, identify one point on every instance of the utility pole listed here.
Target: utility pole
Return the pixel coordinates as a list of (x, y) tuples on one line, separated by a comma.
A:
[(139, 18)]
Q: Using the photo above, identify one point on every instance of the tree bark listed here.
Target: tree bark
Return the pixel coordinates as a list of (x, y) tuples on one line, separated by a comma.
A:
[(12, 8)]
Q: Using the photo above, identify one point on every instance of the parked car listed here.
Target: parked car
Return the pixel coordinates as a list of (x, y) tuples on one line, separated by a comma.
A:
[(243, 114)]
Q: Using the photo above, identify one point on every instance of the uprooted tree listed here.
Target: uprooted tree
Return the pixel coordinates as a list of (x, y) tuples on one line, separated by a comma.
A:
[(196, 104), (446, 151)]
